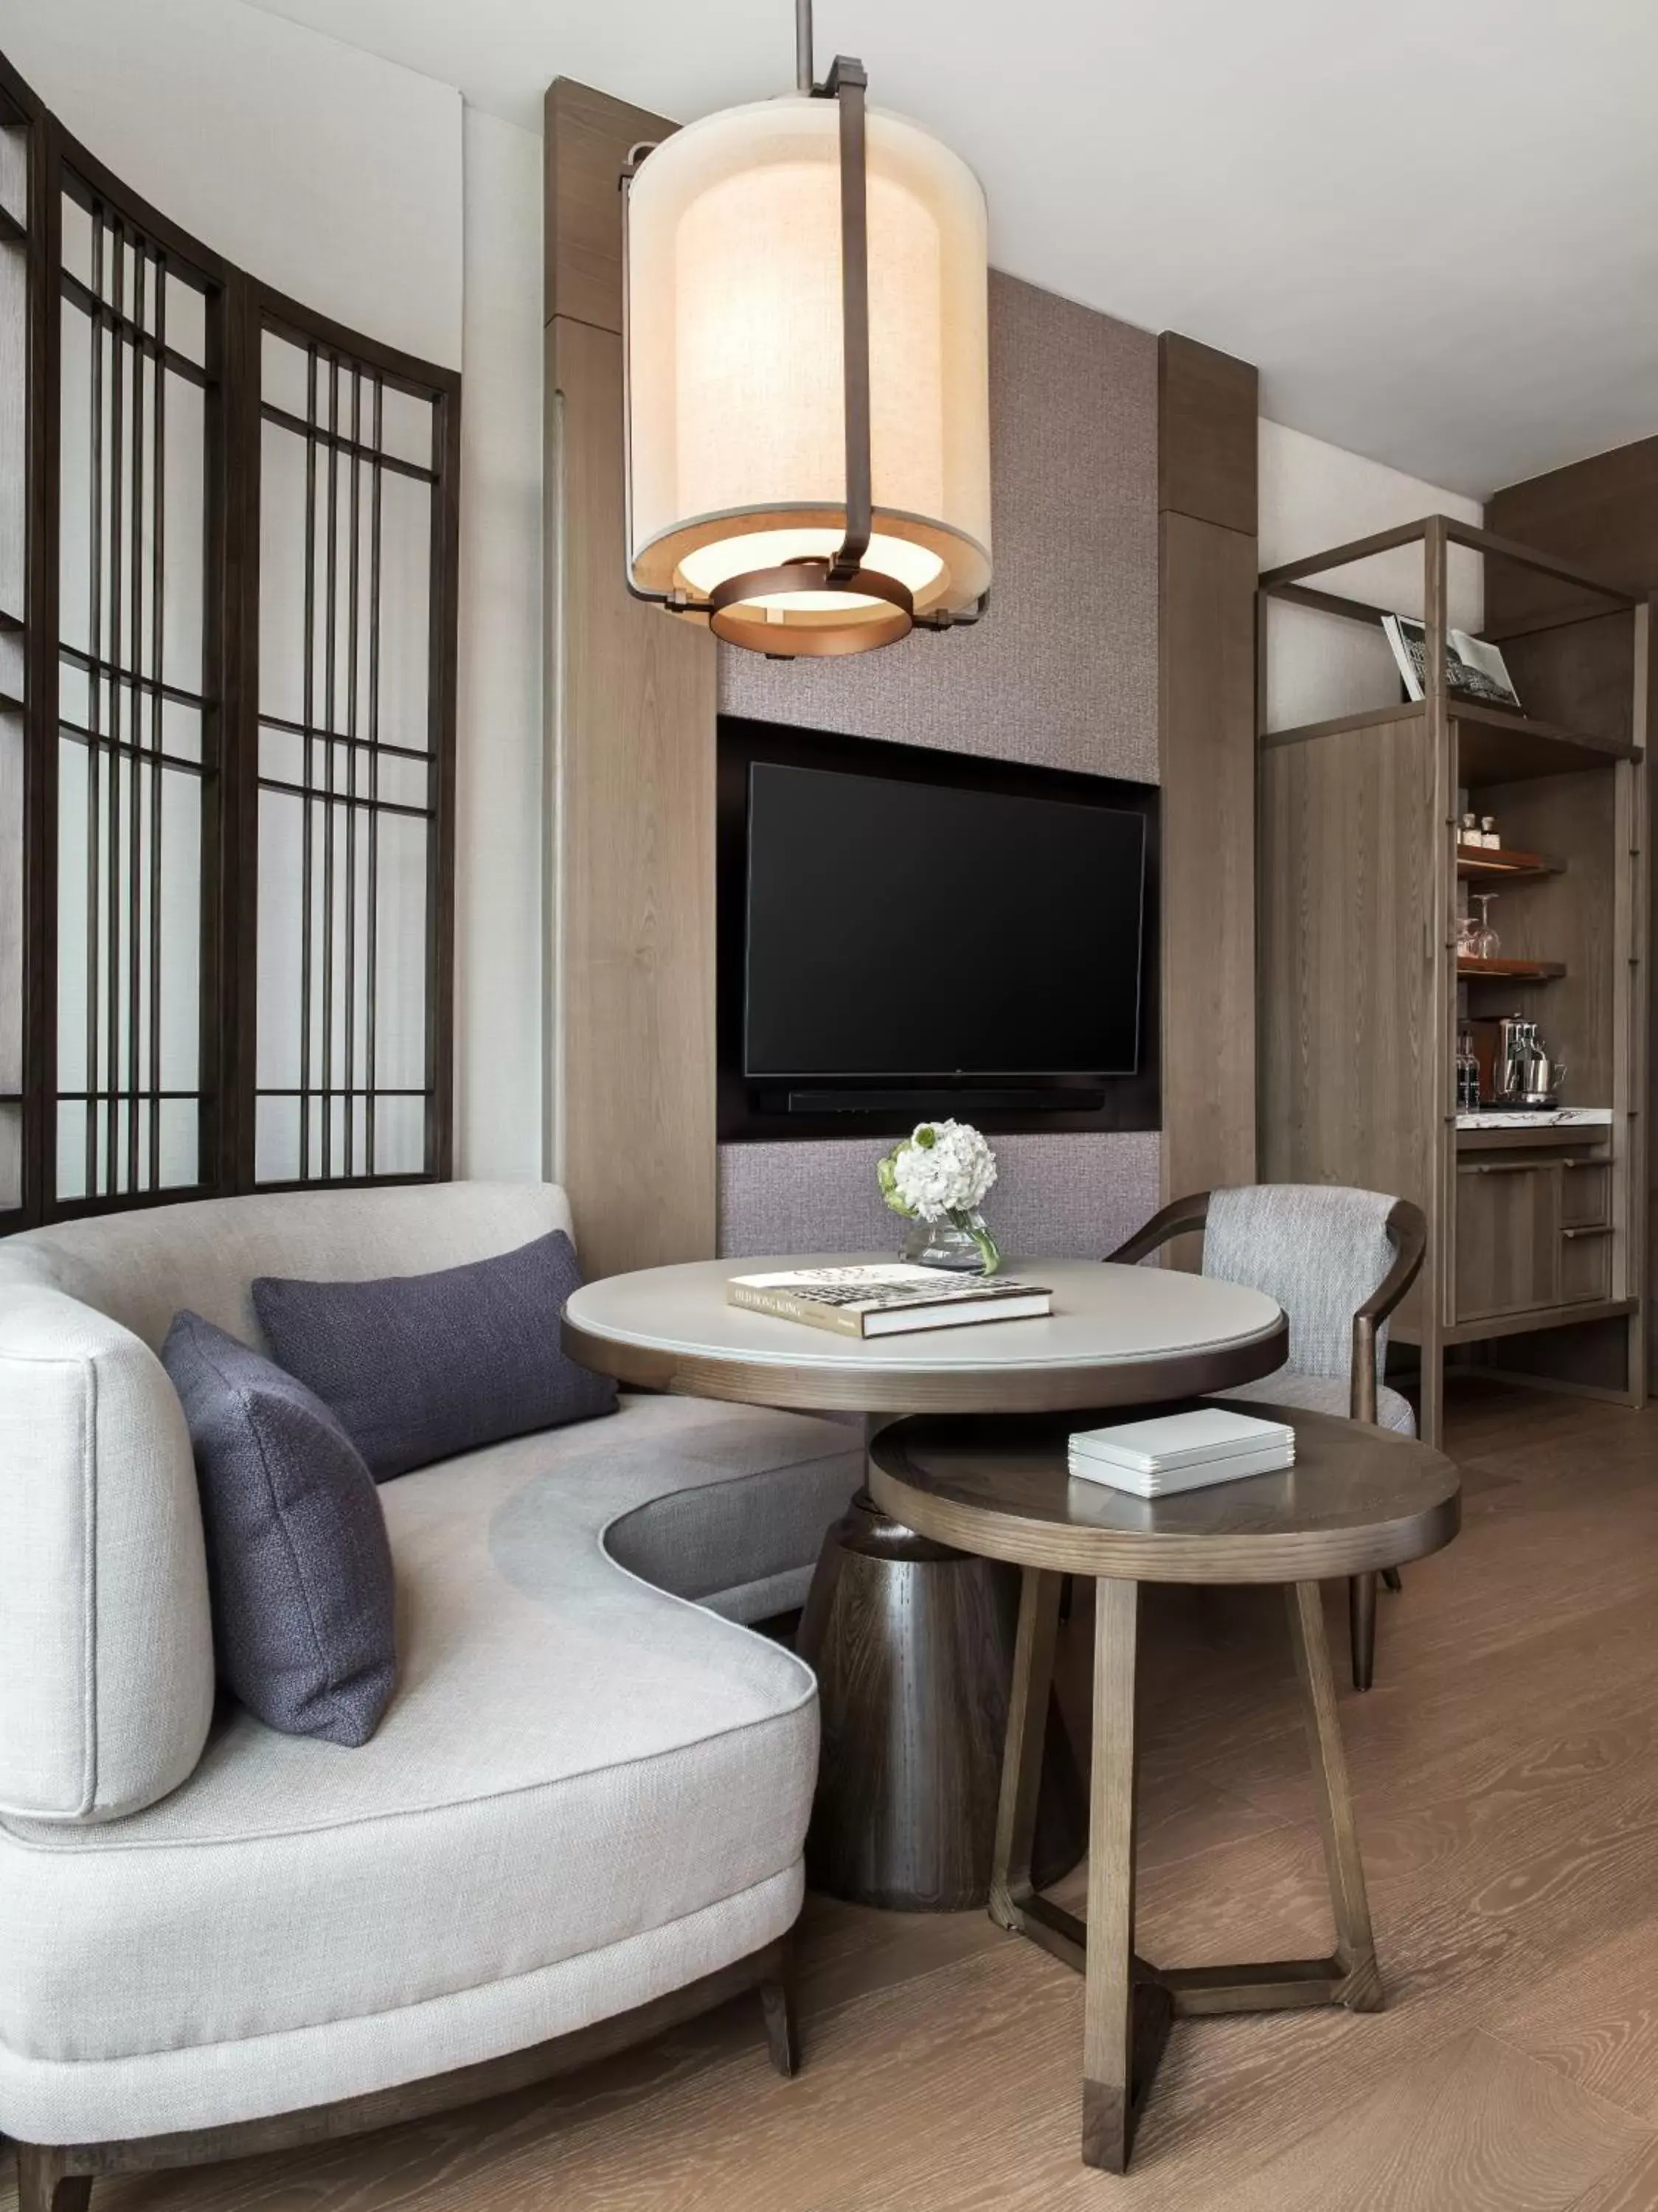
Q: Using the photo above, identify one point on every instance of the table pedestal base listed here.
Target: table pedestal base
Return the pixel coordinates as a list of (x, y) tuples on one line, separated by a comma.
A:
[(913, 1646), (1129, 2003)]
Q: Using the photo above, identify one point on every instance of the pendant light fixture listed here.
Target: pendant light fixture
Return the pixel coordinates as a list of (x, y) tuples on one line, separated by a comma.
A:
[(806, 404)]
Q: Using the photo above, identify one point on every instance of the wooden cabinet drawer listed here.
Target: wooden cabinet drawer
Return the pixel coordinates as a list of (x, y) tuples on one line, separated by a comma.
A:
[(1508, 1239), (1585, 1192), (1585, 1264)]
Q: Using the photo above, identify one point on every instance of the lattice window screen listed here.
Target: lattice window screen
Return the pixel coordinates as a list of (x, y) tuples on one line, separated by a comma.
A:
[(228, 537), (348, 773), (137, 736)]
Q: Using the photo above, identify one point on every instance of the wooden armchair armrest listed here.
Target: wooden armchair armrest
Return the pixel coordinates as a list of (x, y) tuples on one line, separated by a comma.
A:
[(1177, 1219), (1408, 1231)]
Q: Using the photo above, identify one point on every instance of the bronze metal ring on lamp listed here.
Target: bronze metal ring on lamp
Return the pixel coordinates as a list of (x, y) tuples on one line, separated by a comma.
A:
[(832, 634)]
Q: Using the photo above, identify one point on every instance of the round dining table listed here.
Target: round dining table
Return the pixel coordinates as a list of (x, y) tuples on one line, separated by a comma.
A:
[(913, 1638)]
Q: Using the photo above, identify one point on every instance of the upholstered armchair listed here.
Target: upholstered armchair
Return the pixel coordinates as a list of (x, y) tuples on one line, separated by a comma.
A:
[(1338, 1262)]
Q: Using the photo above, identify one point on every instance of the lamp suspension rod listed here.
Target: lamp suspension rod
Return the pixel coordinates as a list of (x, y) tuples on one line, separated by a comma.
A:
[(803, 68), (847, 83)]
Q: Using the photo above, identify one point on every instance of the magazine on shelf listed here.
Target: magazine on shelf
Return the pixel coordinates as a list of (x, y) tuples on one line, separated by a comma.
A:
[(1474, 671), (887, 1298)]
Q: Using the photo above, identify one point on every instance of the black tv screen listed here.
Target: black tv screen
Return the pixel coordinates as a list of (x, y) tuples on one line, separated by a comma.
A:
[(898, 930)]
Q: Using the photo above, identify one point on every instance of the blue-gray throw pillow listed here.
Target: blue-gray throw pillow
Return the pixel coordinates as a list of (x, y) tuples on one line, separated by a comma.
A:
[(299, 1567), (420, 1367)]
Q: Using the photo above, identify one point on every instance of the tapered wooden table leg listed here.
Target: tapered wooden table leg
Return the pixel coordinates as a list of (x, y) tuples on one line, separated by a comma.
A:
[(1011, 1881), (1356, 1948), (1125, 2014)]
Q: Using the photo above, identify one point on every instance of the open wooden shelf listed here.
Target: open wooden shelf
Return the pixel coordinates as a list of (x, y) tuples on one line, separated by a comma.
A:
[(1493, 746), (1512, 971), (1477, 864)]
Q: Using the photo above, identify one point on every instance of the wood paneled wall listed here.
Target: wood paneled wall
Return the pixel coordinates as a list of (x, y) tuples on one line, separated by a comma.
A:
[(1206, 473), (632, 694)]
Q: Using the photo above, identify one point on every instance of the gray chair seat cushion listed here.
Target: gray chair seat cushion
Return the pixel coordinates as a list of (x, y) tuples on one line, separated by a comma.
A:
[(1324, 1393), (572, 1757)]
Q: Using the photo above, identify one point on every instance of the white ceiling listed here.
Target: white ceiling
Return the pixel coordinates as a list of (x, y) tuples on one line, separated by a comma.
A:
[(1432, 223)]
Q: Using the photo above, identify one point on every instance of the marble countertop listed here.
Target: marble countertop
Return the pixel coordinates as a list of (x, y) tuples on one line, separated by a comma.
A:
[(1559, 1117)]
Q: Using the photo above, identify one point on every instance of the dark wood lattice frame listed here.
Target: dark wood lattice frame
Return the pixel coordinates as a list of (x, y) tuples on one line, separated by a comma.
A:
[(238, 311)]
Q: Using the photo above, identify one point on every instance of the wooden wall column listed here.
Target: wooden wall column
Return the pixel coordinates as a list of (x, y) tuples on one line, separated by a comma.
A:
[(630, 767), (1207, 407)]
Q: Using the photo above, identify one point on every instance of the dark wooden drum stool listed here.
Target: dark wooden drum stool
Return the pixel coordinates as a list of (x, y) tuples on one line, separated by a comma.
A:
[(1358, 1499)]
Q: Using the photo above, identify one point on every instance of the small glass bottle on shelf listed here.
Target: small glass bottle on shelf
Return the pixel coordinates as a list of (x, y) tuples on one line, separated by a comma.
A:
[(1467, 1074)]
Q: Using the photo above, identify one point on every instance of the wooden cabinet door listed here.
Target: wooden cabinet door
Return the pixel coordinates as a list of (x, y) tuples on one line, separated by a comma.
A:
[(1508, 1239)]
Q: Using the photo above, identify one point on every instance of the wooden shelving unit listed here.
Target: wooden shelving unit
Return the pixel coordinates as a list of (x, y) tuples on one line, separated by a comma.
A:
[(1537, 1242)]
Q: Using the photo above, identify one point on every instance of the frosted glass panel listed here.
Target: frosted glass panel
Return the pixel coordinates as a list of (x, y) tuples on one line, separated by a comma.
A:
[(184, 520), (283, 567), (14, 323), (11, 1156), (281, 957), (275, 1140), (399, 1136), (400, 949), (11, 903), (406, 426), (405, 571)]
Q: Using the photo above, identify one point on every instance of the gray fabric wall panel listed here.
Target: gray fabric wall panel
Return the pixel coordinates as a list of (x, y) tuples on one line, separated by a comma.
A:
[(1061, 673), (1071, 1196)]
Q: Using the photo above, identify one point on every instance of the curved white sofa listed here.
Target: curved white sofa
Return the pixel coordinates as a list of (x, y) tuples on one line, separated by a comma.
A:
[(590, 1788)]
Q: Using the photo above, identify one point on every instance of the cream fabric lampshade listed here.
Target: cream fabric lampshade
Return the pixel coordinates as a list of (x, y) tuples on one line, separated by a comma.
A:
[(737, 427)]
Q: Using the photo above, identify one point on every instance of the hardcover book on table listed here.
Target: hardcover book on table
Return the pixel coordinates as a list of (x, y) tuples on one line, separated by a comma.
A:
[(888, 1298)]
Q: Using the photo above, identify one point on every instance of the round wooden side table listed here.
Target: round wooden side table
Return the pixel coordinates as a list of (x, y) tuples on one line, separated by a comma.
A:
[(912, 1639), (1358, 1499)]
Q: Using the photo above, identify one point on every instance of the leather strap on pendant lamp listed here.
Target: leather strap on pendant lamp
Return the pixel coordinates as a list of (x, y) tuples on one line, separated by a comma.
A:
[(807, 409)]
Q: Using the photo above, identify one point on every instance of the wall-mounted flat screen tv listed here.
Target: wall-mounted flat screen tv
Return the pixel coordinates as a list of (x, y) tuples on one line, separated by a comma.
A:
[(912, 930)]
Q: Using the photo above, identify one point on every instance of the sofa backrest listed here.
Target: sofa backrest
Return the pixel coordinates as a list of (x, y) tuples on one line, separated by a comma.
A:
[(106, 1648), (141, 1268)]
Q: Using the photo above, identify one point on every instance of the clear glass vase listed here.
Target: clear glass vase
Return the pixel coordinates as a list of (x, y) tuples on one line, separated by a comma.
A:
[(959, 1241)]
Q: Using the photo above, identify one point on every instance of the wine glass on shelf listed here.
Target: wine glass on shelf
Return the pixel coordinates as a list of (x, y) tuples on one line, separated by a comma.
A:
[(1486, 944), (1467, 928)]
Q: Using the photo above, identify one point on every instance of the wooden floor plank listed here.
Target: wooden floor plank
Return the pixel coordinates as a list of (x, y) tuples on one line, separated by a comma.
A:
[(1596, 2020), (1478, 2127)]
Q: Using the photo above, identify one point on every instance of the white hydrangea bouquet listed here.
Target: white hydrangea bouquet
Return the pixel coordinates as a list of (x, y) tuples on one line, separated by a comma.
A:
[(938, 1179)]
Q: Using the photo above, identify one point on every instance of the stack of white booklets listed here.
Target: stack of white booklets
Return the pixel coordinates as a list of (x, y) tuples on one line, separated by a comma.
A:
[(1181, 1451)]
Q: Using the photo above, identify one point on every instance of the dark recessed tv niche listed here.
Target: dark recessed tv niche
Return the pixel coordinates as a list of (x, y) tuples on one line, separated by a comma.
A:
[(905, 934)]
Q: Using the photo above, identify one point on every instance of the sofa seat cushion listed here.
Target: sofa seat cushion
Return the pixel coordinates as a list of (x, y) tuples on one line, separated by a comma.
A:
[(572, 1757), (1324, 1393)]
